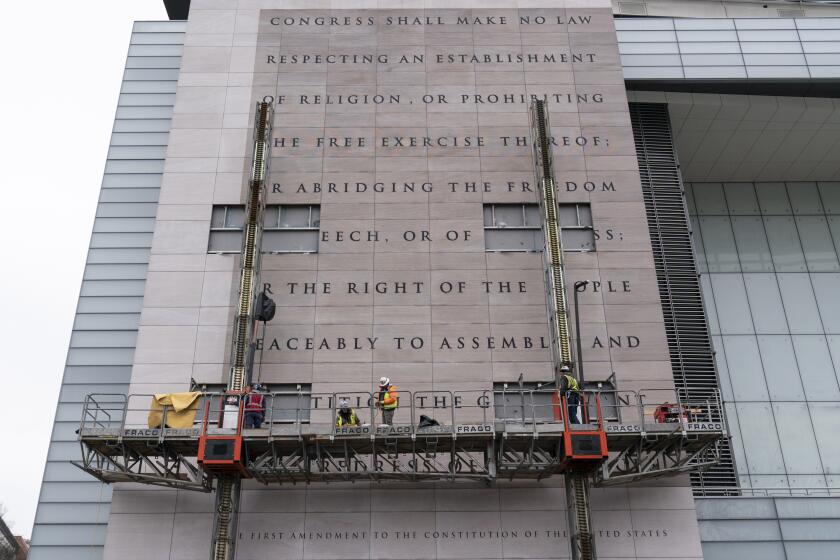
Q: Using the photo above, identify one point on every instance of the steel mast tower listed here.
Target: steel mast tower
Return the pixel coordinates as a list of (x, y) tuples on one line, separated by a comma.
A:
[(577, 481), (228, 486)]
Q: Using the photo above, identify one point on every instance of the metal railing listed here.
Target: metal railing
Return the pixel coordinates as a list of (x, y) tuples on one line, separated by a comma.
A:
[(298, 413)]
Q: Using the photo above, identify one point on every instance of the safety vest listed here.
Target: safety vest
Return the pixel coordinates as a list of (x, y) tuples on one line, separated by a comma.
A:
[(571, 382), (352, 421), (254, 403), (388, 398)]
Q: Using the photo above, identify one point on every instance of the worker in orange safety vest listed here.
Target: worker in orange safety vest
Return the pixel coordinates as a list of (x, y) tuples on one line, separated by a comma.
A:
[(387, 400)]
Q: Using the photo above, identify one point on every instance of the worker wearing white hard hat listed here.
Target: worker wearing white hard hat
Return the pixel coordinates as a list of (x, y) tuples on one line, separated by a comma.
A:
[(569, 388), (387, 400), (346, 415)]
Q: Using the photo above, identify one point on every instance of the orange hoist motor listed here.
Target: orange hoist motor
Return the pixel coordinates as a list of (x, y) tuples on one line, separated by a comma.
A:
[(585, 444), (220, 447)]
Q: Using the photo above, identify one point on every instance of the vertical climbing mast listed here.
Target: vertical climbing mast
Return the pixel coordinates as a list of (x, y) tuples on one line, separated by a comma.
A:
[(228, 485), (561, 350), (577, 481)]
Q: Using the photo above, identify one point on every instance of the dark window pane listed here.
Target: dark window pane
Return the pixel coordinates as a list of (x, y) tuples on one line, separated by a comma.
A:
[(509, 215), (578, 240), (513, 239), (533, 217), (235, 217), (488, 215), (225, 241), (585, 214), (290, 241), (217, 218), (567, 214), (271, 216), (294, 216)]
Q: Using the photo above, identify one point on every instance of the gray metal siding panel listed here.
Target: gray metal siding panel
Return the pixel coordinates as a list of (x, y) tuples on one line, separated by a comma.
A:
[(73, 508), (784, 527)]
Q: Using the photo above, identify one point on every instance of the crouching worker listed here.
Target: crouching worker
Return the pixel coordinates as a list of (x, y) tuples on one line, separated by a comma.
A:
[(254, 406), (346, 414)]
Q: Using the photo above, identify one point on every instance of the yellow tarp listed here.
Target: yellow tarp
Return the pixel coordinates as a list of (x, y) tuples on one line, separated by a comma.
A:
[(180, 412)]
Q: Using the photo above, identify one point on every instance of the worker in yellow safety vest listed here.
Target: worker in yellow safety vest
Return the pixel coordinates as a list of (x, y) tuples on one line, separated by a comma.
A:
[(569, 388), (346, 415), (387, 400)]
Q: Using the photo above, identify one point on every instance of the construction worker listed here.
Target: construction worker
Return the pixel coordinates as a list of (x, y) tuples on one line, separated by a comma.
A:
[(346, 415), (569, 388), (254, 406), (387, 400)]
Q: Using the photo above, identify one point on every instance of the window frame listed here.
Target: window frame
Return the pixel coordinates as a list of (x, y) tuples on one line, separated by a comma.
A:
[(276, 227), (578, 226), (524, 227), (309, 227), (227, 208)]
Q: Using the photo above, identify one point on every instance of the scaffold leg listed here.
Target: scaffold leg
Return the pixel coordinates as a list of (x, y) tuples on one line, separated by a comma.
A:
[(227, 514), (580, 528)]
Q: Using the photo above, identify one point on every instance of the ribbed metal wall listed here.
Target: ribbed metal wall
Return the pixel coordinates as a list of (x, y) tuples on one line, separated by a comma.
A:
[(689, 341), (73, 508)]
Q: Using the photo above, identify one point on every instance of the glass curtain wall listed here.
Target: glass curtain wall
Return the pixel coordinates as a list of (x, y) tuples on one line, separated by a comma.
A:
[(768, 258)]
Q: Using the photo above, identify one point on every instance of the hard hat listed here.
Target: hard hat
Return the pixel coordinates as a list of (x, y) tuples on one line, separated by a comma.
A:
[(343, 404), (565, 368), (384, 381)]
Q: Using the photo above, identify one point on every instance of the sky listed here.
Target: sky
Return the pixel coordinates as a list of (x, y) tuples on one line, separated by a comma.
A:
[(62, 64)]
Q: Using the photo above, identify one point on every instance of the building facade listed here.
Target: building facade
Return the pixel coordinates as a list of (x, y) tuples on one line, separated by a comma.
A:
[(401, 242)]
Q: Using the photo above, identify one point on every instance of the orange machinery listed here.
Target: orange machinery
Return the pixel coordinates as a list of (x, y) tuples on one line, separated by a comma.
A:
[(223, 453)]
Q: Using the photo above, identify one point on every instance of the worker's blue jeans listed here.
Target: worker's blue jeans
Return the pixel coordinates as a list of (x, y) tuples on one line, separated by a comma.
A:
[(572, 402), (253, 419)]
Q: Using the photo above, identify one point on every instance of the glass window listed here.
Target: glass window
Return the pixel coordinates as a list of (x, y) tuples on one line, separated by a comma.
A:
[(800, 304), (804, 198), (743, 360), (533, 216), (513, 227), (773, 198), (732, 304), (226, 223), (723, 369), (780, 368), (816, 368), (784, 244), (817, 244), (222, 241), (751, 242), (689, 199), (292, 229), (699, 247), (718, 240), (761, 441), (292, 241), (826, 418), (508, 215), (830, 196), (709, 303), (234, 217), (286, 229), (508, 401), (768, 314), (289, 403), (708, 197), (799, 446), (741, 198)]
